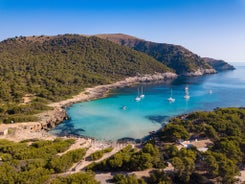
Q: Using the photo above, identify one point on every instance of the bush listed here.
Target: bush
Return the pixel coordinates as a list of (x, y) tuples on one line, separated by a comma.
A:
[(100, 153), (63, 163)]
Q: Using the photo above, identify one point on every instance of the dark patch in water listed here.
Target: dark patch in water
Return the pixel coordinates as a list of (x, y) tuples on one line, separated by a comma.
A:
[(67, 128), (158, 118), (126, 139)]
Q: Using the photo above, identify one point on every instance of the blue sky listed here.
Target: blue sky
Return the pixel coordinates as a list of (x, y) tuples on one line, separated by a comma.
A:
[(214, 28)]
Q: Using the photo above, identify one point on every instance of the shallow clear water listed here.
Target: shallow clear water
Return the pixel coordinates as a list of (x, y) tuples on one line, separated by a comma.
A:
[(105, 118)]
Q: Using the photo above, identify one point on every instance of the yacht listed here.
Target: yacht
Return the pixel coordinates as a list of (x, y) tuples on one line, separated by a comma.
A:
[(187, 96), (142, 94), (124, 107), (137, 98), (171, 99)]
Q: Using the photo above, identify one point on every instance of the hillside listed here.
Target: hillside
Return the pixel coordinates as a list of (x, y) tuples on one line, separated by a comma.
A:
[(218, 65), (183, 61), (57, 67), (36, 69)]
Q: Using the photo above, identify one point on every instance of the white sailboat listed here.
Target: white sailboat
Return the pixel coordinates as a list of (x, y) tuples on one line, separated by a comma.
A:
[(137, 98), (187, 96), (142, 94), (124, 107), (171, 99)]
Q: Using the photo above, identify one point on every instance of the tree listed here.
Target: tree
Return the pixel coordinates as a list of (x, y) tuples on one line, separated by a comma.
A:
[(159, 177), (87, 177), (173, 132), (178, 165)]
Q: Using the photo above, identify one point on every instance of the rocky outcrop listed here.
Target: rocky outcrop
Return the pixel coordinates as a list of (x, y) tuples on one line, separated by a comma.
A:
[(58, 116), (49, 120), (218, 65), (200, 72), (154, 77)]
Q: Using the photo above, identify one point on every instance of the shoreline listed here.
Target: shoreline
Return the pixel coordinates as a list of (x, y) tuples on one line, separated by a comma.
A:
[(51, 118)]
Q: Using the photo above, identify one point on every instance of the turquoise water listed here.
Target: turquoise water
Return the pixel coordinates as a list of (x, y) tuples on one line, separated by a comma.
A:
[(105, 119)]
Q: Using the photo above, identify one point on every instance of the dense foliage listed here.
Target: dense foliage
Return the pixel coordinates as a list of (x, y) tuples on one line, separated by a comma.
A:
[(57, 67), (77, 178), (129, 159), (174, 56), (100, 153), (14, 112), (34, 162), (225, 127), (132, 179)]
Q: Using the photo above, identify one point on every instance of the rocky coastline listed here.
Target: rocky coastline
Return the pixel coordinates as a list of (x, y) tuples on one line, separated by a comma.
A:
[(199, 72)]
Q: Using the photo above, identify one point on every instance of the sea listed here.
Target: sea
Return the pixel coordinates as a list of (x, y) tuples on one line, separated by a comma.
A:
[(120, 116)]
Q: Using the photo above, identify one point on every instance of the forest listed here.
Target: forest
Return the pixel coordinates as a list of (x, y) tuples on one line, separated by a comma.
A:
[(55, 68), (177, 57)]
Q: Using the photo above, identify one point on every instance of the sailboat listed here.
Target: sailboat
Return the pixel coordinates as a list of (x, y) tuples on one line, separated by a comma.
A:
[(187, 96), (210, 92), (171, 99), (124, 107), (142, 94), (137, 98)]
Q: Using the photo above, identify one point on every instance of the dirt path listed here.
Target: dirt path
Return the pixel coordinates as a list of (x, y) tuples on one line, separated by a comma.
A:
[(241, 177)]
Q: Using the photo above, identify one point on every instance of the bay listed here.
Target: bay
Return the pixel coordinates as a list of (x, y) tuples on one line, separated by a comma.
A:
[(120, 116)]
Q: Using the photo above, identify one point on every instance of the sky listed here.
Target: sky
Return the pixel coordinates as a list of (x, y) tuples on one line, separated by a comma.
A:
[(213, 28)]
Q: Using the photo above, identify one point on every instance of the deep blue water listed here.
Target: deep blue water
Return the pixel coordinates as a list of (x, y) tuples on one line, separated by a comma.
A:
[(105, 118)]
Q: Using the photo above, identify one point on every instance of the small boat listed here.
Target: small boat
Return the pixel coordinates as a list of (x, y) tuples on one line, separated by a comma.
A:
[(210, 92), (187, 96), (137, 98), (171, 99), (142, 94), (124, 107)]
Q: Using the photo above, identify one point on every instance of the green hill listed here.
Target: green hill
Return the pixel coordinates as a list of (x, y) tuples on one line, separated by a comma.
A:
[(59, 66), (183, 61)]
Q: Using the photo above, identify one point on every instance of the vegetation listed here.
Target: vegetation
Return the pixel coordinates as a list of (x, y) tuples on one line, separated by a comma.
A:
[(63, 65), (87, 177), (13, 112), (100, 153), (132, 179), (174, 56), (218, 65), (129, 159), (63, 163), (221, 163), (57, 67), (34, 162), (225, 127)]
